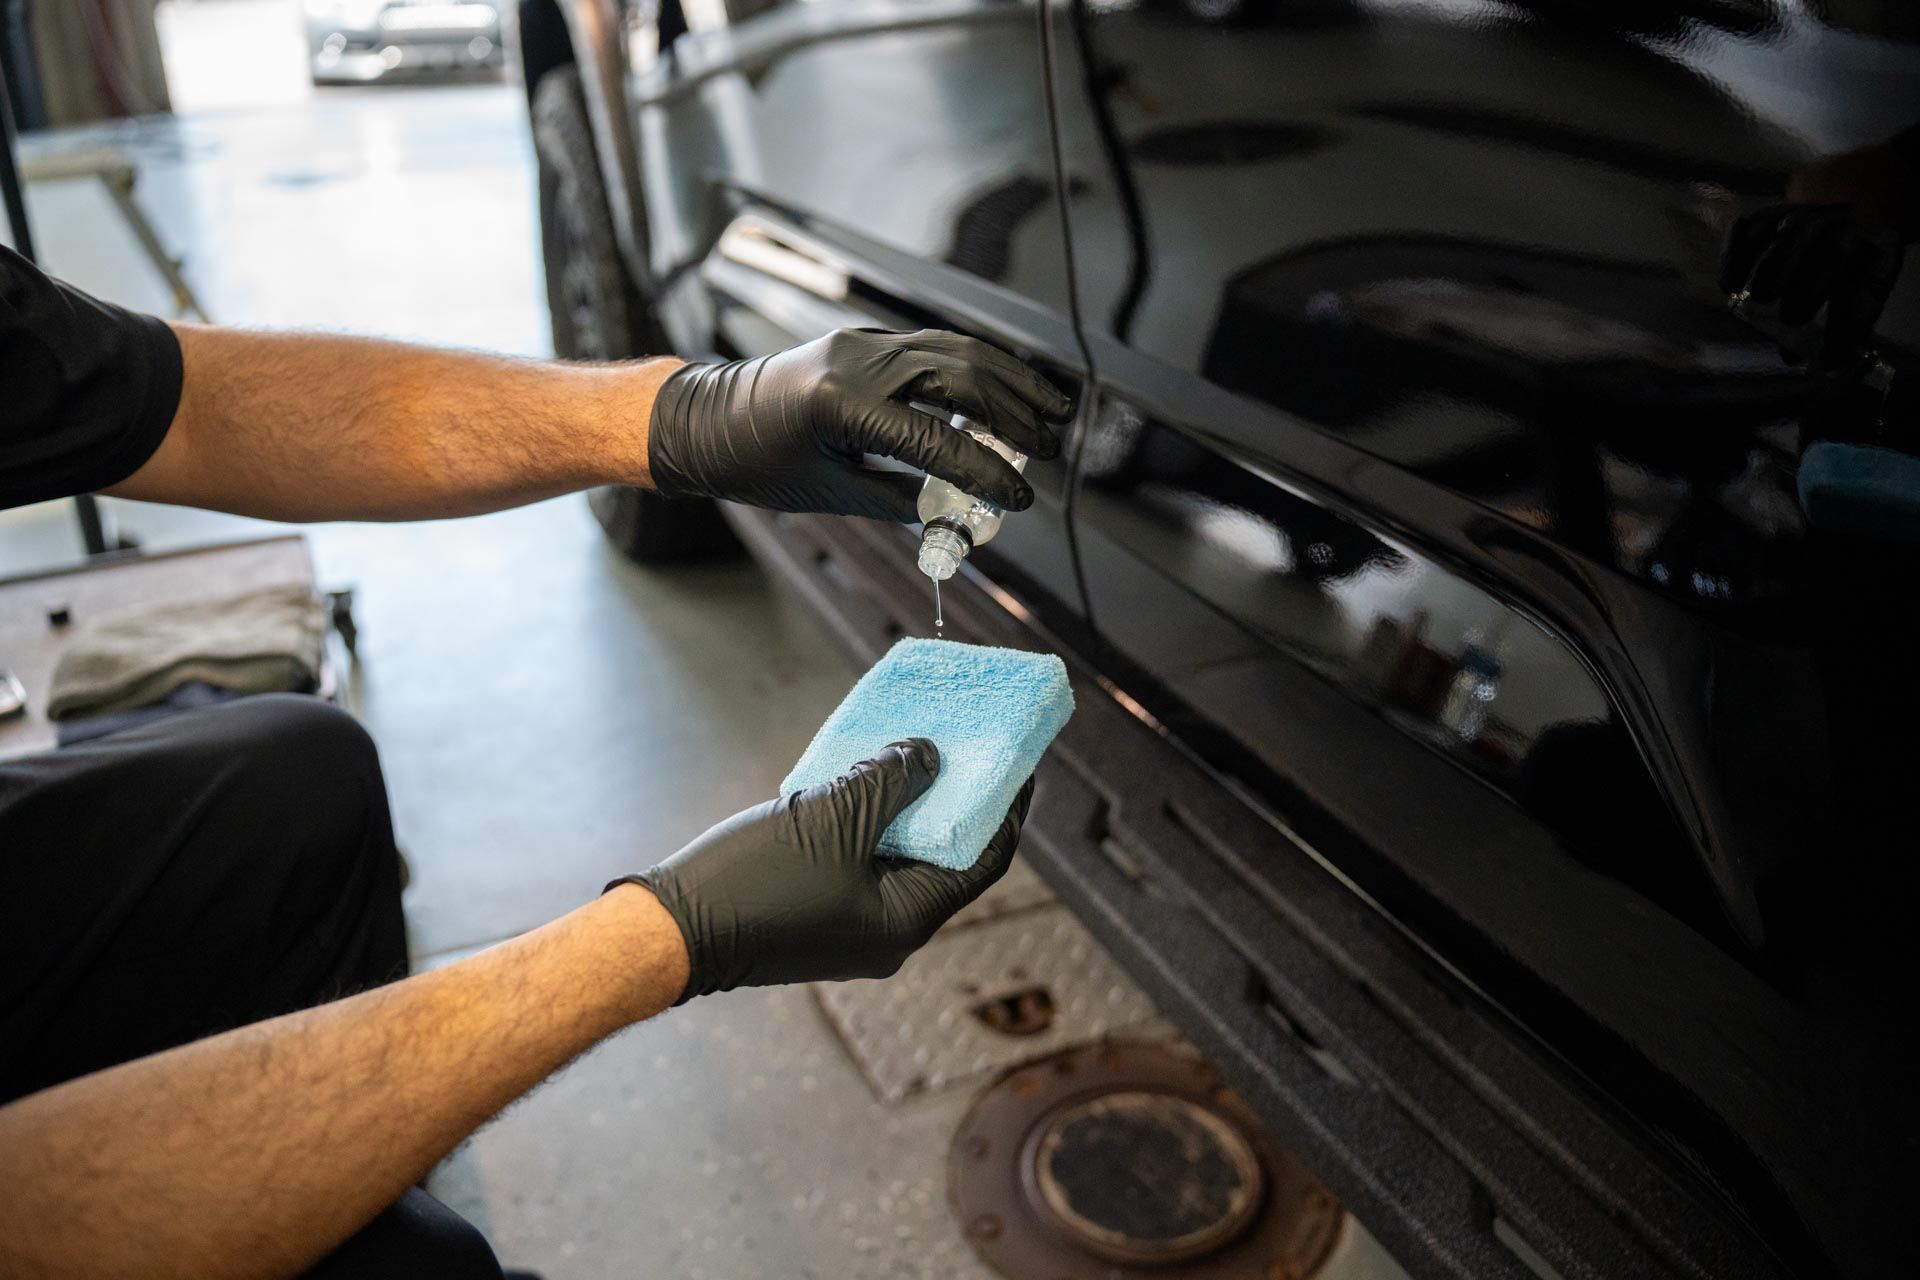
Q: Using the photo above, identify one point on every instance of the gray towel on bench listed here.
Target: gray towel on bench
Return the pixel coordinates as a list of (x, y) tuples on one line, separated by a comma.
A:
[(265, 641)]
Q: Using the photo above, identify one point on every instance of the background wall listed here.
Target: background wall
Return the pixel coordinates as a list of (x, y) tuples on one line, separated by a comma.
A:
[(97, 59)]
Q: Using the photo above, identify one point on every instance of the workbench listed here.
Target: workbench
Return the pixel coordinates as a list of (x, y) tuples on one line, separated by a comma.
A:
[(31, 642)]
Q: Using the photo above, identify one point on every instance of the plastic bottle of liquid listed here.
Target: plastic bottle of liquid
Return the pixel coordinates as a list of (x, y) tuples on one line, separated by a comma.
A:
[(956, 522)]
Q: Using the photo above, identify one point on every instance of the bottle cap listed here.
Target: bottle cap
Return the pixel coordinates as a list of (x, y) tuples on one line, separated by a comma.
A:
[(941, 551)]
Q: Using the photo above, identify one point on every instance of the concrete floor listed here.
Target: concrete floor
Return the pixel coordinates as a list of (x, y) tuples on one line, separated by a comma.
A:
[(549, 715)]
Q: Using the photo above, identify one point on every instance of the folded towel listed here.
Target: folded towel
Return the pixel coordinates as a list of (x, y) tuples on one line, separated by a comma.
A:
[(265, 641), (1862, 489), (991, 712)]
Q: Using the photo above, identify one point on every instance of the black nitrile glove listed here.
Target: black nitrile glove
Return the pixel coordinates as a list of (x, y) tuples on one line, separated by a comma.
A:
[(786, 431), (790, 890)]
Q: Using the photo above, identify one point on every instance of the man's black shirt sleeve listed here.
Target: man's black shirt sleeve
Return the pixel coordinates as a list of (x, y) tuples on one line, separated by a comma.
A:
[(87, 389)]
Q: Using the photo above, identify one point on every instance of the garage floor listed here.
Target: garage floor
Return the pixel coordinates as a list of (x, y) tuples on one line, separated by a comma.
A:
[(551, 716)]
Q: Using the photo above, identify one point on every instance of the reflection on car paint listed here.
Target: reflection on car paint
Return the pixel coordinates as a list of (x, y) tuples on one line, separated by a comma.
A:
[(1484, 247), (1443, 660)]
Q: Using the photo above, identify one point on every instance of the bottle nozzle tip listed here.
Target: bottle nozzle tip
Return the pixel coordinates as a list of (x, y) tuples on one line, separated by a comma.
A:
[(941, 551), (937, 566)]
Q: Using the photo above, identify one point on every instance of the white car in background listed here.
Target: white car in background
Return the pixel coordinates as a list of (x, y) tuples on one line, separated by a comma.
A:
[(355, 41)]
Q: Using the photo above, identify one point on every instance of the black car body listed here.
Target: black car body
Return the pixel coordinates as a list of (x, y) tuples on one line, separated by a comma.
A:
[(1518, 783)]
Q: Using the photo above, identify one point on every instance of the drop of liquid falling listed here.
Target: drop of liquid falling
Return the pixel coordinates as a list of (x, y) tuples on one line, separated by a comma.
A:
[(939, 622)]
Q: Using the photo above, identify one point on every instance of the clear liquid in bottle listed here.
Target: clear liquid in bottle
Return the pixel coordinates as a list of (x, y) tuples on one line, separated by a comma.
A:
[(956, 522)]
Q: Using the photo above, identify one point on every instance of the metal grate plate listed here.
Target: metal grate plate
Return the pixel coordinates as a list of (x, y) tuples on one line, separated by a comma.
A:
[(1021, 889), (917, 1031)]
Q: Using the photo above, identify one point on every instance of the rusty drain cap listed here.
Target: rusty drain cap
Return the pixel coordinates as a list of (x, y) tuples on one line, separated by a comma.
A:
[(1142, 1176), (1130, 1153)]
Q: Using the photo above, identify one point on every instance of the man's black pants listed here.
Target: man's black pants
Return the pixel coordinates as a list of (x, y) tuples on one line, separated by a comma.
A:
[(185, 877)]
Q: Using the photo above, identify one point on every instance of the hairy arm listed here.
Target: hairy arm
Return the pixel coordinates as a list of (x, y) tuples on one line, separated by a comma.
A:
[(256, 1152), (303, 426)]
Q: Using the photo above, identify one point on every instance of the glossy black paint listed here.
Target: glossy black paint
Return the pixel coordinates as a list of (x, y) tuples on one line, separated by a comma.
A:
[(1442, 278), (1424, 484), (1205, 570), (1482, 245)]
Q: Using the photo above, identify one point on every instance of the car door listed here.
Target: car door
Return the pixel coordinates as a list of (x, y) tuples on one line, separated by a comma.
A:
[(847, 162), (1436, 497)]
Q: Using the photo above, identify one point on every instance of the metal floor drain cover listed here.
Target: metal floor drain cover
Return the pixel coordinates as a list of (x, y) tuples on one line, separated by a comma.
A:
[(933, 1024), (1021, 889), (1128, 1159)]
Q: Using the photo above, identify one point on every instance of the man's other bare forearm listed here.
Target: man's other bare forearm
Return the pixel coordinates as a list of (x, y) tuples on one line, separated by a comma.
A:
[(256, 1152), (306, 426)]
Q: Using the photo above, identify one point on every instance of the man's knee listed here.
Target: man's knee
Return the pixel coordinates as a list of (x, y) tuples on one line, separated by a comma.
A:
[(302, 808), (232, 863), (306, 771), (302, 743)]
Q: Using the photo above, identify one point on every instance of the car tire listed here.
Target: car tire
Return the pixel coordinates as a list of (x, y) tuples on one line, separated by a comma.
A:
[(598, 314)]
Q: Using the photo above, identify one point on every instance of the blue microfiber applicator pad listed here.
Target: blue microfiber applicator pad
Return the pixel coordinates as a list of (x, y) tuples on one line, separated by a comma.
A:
[(1862, 489), (991, 712)]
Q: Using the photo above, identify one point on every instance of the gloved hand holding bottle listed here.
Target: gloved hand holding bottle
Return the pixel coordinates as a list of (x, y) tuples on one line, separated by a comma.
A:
[(788, 431), (955, 520)]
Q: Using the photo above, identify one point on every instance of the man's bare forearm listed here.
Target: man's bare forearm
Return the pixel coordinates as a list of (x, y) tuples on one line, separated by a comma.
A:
[(304, 426), (256, 1152)]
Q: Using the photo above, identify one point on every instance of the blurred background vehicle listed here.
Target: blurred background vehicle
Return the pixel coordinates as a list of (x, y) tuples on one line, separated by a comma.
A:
[(354, 41)]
